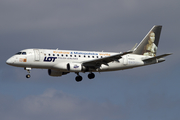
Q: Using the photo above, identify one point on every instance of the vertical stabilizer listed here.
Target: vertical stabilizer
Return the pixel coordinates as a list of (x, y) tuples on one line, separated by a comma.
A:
[(148, 46)]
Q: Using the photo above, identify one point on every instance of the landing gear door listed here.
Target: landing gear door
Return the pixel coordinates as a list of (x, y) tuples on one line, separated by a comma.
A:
[(36, 55)]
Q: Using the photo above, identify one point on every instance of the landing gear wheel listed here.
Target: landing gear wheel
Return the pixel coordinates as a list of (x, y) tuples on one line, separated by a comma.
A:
[(28, 76), (28, 70), (91, 75), (78, 78)]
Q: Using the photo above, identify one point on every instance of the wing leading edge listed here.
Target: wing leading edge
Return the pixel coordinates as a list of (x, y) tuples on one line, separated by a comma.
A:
[(98, 62)]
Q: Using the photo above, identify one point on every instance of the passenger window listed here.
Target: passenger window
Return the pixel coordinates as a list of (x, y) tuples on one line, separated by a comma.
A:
[(53, 54), (92, 56), (57, 54), (88, 56), (49, 54), (74, 55), (62, 55), (66, 55), (70, 55), (84, 56), (97, 56)]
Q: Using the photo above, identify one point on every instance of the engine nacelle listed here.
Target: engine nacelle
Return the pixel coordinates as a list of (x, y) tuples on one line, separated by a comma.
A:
[(70, 67), (75, 67), (56, 72)]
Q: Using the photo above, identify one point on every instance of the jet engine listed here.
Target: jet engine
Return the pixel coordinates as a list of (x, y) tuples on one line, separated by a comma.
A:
[(75, 67), (56, 73)]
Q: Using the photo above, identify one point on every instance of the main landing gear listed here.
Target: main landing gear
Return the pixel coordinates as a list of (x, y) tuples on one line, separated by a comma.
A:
[(79, 78), (28, 70), (91, 75)]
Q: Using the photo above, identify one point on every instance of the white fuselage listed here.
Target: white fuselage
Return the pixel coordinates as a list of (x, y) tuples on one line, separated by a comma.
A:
[(58, 59), (62, 62)]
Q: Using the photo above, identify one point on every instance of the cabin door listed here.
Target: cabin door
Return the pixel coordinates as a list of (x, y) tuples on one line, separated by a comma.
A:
[(36, 55), (125, 60)]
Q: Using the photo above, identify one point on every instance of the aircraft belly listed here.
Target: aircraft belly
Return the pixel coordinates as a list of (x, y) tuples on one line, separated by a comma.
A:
[(111, 67)]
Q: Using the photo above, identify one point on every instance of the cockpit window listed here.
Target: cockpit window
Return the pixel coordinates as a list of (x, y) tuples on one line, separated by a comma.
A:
[(19, 53), (23, 53)]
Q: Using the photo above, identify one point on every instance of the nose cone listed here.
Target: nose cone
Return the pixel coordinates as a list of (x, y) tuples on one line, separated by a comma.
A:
[(9, 61)]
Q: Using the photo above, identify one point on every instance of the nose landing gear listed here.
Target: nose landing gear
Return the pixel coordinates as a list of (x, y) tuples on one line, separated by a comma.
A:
[(28, 76), (28, 70)]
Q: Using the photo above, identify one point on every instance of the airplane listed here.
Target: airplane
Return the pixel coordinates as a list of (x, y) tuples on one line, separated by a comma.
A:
[(61, 62)]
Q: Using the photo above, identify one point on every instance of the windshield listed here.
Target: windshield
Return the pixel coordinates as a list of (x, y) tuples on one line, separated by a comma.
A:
[(21, 53)]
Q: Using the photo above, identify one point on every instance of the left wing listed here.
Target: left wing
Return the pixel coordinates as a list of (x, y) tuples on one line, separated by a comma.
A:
[(98, 62)]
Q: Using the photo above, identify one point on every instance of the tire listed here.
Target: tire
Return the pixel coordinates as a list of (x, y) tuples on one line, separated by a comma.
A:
[(28, 76), (78, 78), (91, 75)]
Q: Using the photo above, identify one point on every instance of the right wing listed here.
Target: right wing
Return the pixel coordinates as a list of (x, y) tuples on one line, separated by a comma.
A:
[(98, 62)]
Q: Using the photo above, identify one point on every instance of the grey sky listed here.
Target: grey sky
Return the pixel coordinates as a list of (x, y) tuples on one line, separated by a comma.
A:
[(150, 92)]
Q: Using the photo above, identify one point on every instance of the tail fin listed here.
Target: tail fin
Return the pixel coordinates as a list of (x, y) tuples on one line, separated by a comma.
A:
[(148, 46)]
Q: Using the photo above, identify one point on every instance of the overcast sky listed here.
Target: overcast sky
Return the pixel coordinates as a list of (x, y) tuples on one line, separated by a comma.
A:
[(145, 93)]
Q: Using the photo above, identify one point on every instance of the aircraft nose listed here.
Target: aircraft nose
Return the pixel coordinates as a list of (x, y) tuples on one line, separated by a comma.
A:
[(9, 61)]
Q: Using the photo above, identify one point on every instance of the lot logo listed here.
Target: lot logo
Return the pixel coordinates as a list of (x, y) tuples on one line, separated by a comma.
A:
[(50, 59), (76, 66)]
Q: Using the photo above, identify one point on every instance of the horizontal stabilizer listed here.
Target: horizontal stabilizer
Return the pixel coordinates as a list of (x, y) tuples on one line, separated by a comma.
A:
[(157, 57)]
